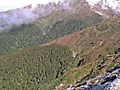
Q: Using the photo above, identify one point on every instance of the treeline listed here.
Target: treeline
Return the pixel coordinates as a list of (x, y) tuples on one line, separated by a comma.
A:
[(32, 34), (32, 68)]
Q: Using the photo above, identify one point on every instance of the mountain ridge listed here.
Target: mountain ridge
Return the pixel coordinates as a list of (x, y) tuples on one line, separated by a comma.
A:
[(30, 14)]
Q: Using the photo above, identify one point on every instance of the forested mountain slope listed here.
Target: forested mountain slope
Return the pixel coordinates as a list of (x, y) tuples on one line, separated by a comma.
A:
[(33, 68), (39, 33), (44, 67)]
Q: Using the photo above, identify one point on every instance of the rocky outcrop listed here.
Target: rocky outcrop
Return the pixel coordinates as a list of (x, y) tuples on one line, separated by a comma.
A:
[(105, 7), (110, 81)]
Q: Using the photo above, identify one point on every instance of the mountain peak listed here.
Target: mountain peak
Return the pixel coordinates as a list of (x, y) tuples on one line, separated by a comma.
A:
[(110, 5)]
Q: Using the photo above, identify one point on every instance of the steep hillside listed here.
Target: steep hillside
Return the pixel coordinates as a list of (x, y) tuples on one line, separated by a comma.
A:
[(94, 51), (42, 32), (95, 48), (90, 44), (34, 67)]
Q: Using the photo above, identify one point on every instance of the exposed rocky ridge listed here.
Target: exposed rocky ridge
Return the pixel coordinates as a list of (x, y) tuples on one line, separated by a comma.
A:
[(110, 81), (105, 7)]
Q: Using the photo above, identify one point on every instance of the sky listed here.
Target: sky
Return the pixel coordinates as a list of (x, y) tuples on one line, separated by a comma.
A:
[(12, 4)]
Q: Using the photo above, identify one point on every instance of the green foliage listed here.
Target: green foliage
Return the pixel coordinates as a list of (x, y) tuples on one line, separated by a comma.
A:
[(20, 37), (112, 24), (32, 68), (68, 26), (41, 68), (115, 63), (36, 34), (76, 74)]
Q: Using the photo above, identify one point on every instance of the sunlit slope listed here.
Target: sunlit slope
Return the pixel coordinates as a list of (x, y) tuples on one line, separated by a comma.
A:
[(95, 48)]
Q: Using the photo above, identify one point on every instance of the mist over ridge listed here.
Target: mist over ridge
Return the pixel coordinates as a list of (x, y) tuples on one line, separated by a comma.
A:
[(32, 12)]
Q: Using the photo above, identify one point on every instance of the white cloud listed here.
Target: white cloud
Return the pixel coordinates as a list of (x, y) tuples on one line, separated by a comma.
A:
[(111, 3), (92, 2), (11, 4)]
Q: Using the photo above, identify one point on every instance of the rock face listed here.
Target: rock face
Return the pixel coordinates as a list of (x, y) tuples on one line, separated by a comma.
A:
[(106, 6), (115, 85), (110, 81)]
